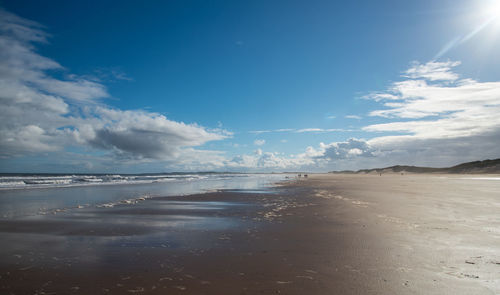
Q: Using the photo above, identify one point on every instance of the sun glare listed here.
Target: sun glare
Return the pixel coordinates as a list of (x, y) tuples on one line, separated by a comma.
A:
[(494, 17), (493, 9), (488, 13)]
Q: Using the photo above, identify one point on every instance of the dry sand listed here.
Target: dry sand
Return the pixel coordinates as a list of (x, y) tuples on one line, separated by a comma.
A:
[(440, 233), (328, 234)]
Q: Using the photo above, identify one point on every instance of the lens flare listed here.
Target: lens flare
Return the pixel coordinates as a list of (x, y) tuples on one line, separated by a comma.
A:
[(492, 9)]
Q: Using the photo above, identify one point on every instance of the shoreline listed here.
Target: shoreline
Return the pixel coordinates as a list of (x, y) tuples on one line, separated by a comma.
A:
[(327, 234), (30, 202), (160, 178)]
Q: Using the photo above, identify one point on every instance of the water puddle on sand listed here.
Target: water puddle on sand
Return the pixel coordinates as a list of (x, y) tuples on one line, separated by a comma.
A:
[(96, 236)]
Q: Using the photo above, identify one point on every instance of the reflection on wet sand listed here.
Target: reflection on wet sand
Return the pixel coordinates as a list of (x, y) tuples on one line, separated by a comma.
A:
[(95, 239)]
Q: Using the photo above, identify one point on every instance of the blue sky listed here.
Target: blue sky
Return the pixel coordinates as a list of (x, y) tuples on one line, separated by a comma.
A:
[(247, 85)]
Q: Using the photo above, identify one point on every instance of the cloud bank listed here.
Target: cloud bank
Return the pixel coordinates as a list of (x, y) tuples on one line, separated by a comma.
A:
[(441, 117), (41, 113)]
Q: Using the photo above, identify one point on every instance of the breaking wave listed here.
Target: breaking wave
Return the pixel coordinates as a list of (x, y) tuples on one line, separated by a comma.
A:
[(43, 180)]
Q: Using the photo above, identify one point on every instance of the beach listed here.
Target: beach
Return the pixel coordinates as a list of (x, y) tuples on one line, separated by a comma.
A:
[(325, 234)]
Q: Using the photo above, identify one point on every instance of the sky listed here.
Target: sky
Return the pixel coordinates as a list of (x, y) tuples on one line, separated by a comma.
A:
[(258, 86)]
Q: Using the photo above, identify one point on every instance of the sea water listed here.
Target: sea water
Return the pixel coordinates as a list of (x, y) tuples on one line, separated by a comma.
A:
[(27, 195)]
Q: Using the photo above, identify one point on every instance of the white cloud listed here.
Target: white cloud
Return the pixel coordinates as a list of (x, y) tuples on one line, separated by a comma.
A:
[(21, 64), (433, 71), (29, 138), (353, 117), (41, 113), (378, 96), (320, 130), (259, 142), (342, 150), (146, 135), (309, 130), (269, 131), (441, 119), (321, 158), (24, 30), (441, 123), (435, 152), (260, 131), (261, 160), (302, 130), (462, 108)]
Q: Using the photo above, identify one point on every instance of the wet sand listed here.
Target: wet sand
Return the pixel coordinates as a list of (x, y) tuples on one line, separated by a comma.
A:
[(328, 234)]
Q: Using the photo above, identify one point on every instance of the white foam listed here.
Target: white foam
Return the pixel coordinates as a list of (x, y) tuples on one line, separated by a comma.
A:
[(40, 181), (124, 202), (44, 181)]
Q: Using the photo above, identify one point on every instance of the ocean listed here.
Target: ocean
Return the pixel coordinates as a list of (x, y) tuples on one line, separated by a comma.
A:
[(40, 194)]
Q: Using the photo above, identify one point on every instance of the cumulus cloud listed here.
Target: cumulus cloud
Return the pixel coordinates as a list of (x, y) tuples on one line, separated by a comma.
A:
[(259, 142), (329, 156), (325, 156), (140, 134), (261, 160), (436, 152), (21, 64), (441, 118), (348, 149), (433, 71), (463, 108), (41, 113)]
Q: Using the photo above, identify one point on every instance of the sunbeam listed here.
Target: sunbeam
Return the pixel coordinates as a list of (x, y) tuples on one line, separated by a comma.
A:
[(491, 15)]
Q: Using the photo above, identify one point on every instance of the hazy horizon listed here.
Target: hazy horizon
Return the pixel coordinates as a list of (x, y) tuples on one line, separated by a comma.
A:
[(223, 172)]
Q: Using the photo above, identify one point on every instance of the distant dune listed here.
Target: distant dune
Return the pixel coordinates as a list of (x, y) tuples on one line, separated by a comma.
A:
[(476, 167)]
